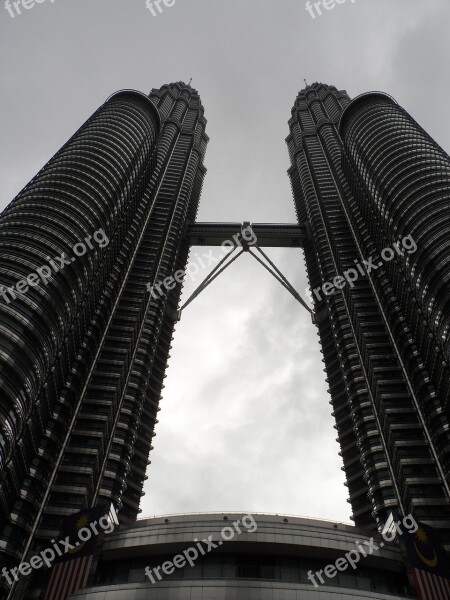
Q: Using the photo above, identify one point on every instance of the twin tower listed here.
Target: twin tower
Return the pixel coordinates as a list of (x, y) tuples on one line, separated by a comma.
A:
[(84, 346)]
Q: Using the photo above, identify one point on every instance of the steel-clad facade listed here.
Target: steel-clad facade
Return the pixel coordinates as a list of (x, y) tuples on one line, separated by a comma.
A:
[(83, 357), (364, 177), (84, 350)]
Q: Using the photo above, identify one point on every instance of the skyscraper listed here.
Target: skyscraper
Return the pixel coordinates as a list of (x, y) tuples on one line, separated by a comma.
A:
[(373, 188), (85, 345)]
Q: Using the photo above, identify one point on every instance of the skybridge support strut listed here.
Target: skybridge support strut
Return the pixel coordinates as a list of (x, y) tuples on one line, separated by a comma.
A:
[(218, 269), (247, 239), (279, 277)]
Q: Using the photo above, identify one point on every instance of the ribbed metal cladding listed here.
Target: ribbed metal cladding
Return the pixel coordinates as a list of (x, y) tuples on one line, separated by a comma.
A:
[(82, 399), (47, 332), (405, 176), (392, 453)]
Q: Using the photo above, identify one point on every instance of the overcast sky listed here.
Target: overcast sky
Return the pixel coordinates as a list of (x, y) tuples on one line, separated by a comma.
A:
[(245, 419)]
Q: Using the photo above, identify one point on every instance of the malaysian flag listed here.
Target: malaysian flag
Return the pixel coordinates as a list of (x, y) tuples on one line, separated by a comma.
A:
[(429, 563), (68, 577), (70, 571)]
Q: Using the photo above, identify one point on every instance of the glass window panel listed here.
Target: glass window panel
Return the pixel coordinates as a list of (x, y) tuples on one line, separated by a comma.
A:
[(290, 570), (229, 566), (347, 580), (212, 567)]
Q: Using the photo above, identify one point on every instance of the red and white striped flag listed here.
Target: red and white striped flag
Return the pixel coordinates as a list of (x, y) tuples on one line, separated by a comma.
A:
[(429, 563), (430, 586), (68, 577), (71, 570)]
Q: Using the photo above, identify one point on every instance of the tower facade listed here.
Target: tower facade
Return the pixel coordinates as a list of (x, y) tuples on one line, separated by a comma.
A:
[(85, 341), (373, 188), (86, 344)]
